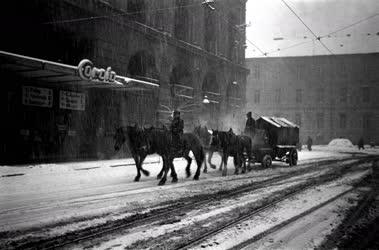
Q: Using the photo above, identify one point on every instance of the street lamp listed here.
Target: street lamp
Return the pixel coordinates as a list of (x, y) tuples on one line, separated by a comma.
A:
[(206, 100)]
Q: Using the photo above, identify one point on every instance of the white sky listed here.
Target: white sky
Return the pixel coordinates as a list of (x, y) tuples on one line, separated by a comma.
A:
[(272, 19)]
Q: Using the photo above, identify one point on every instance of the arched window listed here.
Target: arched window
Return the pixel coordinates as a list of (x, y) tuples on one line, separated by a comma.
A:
[(210, 83), (142, 64)]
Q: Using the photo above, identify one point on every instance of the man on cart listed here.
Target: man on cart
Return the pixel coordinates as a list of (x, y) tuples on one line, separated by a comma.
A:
[(250, 125)]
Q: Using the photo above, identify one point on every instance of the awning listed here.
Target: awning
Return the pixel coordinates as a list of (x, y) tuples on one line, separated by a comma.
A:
[(279, 122), (59, 73)]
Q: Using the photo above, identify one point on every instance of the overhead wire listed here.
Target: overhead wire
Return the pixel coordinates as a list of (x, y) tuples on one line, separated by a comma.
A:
[(240, 33), (326, 35), (318, 38), (117, 15)]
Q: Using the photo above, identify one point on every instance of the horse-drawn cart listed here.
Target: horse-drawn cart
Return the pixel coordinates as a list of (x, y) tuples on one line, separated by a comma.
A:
[(275, 139)]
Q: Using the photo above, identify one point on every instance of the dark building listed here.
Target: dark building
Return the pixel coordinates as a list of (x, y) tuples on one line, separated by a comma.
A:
[(328, 96), (176, 53)]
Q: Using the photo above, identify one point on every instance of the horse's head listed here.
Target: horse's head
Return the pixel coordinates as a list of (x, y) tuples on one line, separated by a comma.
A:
[(119, 138)]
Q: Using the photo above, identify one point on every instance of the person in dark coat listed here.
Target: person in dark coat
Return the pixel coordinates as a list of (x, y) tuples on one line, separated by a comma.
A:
[(361, 144), (309, 143), (176, 128), (250, 125)]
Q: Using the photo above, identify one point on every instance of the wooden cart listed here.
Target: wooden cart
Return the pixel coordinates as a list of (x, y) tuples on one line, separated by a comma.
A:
[(275, 138)]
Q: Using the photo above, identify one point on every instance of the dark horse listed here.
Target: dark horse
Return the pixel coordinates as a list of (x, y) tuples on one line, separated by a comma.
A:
[(143, 142), (205, 138), (232, 145)]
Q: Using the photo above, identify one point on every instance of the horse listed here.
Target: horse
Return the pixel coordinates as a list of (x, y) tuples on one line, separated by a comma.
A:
[(232, 145), (205, 137), (143, 142)]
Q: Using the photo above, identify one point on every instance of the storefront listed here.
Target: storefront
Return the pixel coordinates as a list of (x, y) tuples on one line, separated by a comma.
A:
[(58, 112)]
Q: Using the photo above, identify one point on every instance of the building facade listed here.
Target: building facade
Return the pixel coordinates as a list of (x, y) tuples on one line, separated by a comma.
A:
[(192, 51), (328, 96)]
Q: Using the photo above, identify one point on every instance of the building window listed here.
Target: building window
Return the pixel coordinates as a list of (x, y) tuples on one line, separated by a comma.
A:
[(257, 71), (320, 95), (343, 95), (366, 121), (365, 94), (257, 96), (342, 121), (182, 21), (320, 120), (278, 95), (298, 119), (299, 95), (210, 31)]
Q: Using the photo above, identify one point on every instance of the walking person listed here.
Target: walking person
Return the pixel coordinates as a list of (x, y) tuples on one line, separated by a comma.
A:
[(309, 143), (361, 144)]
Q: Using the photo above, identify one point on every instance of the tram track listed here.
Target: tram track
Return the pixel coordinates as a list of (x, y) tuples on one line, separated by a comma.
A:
[(193, 202), (296, 191)]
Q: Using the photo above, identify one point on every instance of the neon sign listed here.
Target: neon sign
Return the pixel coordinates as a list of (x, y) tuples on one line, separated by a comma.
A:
[(88, 72)]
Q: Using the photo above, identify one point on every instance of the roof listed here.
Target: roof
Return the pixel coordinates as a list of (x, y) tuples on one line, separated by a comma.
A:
[(279, 122), (59, 73)]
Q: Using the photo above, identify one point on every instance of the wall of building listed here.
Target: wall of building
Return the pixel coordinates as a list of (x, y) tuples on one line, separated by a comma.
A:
[(171, 42), (328, 96)]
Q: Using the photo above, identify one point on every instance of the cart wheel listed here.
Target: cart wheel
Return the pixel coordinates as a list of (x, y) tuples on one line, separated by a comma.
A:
[(266, 161), (293, 157)]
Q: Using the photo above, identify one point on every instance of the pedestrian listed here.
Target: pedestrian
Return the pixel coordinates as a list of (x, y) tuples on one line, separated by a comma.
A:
[(309, 143), (250, 125), (361, 144)]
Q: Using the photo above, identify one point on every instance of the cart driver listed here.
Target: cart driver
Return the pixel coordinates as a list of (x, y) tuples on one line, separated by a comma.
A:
[(250, 125), (176, 128)]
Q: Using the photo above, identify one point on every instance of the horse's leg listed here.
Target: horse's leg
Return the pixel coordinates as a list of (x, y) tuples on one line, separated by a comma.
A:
[(205, 170), (162, 170), (142, 158), (221, 163), (236, 161), (137, 162), (210, 159), (173, 172), (165, 167), (188, 167), (225, 163), (200, 158), (243, 163)]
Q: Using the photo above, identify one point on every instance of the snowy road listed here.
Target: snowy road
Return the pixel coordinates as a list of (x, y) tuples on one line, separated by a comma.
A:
[(48, 200)]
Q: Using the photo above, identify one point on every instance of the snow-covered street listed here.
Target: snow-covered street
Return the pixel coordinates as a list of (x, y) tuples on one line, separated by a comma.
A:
[(48, 200)]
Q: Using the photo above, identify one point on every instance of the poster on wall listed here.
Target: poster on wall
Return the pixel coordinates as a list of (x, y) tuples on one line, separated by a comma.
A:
[(33, 96), (72, 100)]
